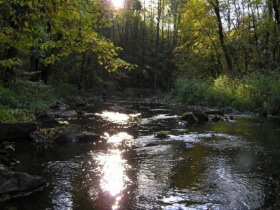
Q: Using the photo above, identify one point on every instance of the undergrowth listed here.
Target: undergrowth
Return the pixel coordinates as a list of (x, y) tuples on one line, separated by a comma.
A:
[(255, 92), (21, 101)]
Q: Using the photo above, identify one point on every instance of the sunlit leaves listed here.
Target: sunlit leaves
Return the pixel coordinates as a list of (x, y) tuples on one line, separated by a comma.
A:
[(199, 51), (56, 27)]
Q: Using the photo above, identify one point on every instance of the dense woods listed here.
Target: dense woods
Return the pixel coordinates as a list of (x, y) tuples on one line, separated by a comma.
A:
[(210, 52)]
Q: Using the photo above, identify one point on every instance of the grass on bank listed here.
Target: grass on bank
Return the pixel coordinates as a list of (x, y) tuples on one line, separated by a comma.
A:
[(256, 92)]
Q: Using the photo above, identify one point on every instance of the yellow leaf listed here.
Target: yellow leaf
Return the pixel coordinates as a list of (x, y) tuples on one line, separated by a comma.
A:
[(26, 24)]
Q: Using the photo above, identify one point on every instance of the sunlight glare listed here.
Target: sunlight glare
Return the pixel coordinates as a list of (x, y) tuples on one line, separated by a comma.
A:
[(118, 138), (115, 117), (117, 3), (114, 178)]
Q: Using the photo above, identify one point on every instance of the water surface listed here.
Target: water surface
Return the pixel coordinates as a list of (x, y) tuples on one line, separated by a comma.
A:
[(224, 165)]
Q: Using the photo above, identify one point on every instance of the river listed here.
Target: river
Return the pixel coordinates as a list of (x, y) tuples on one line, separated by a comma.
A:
[(213, 165)]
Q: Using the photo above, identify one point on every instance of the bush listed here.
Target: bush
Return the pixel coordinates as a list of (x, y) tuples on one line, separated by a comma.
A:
[(9, 115), (255, 92), (34, 95), (20, 102), (190, 91)]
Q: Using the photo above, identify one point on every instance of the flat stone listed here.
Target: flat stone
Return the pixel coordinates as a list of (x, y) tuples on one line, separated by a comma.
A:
[(15, 184)]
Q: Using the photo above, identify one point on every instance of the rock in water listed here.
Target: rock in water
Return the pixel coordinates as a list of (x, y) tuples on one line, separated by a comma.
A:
[(15, 184)]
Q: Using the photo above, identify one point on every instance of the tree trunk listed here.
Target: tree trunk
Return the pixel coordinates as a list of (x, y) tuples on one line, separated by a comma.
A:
[(82, 72), (216, 8), (11, 53), (157, 46), (276, 11)]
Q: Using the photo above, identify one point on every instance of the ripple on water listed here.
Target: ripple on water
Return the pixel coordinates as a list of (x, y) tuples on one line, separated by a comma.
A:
[(188, 199), (62, 175), (224, 183)]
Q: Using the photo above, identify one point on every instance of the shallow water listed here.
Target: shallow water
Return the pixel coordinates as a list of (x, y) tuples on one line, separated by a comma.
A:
[(224, 165)]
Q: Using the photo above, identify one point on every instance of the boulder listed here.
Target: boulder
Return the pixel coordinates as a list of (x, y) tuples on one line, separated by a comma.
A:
[(161, 135), (7, 146), (201, 116), (195, 117), (46, 121), (6, 158), (189, 117), (85, 136), (65, 114), (216, 118), (15, 184), (56, 134), (63, 133), (60, 106)]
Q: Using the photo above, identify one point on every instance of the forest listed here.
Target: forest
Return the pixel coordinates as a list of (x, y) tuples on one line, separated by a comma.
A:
[(219, 53)]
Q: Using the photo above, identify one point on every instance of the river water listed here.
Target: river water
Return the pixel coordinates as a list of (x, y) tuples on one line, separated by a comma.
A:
[(213, 165)]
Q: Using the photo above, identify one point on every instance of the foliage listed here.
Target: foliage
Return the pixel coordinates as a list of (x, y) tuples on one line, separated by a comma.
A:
[(220, 37), (137, 92), (161, 135), (9, 115), (50, 30), (256, 92), (34, 95), (88, 45), (190, 91), (22, 101)]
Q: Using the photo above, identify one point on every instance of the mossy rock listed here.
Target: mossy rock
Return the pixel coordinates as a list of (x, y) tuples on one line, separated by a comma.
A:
[(161, 135), (189, 117)]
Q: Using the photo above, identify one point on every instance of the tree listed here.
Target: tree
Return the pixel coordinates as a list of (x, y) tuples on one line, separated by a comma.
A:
[(51, 29), (216, 7)]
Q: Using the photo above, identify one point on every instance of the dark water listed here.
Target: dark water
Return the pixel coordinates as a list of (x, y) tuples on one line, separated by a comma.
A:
[(224, 165)]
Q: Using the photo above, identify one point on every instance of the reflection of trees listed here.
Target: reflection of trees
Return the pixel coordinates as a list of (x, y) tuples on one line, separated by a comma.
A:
[(188, 171)]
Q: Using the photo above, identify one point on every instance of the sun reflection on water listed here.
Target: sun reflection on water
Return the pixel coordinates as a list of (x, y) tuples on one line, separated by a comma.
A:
[(113, 167), (117, 117), (113, 177), (119, 138)]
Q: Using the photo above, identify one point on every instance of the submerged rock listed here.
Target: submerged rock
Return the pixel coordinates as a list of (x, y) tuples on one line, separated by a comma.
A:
[(15, 184), (188, 145)]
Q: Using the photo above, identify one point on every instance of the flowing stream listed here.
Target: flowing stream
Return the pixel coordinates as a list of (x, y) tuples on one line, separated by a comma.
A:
[(213, 165)]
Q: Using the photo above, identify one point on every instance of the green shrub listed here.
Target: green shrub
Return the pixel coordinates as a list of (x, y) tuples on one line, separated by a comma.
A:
[(9, 115), (20, 102), (190, 91), (35, 95), (253, 92)]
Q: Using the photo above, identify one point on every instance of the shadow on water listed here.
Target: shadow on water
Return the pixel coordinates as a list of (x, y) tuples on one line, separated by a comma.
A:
[(224, 165)]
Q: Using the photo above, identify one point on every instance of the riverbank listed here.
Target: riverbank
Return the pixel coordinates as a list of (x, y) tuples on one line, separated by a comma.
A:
[(25, 100)]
